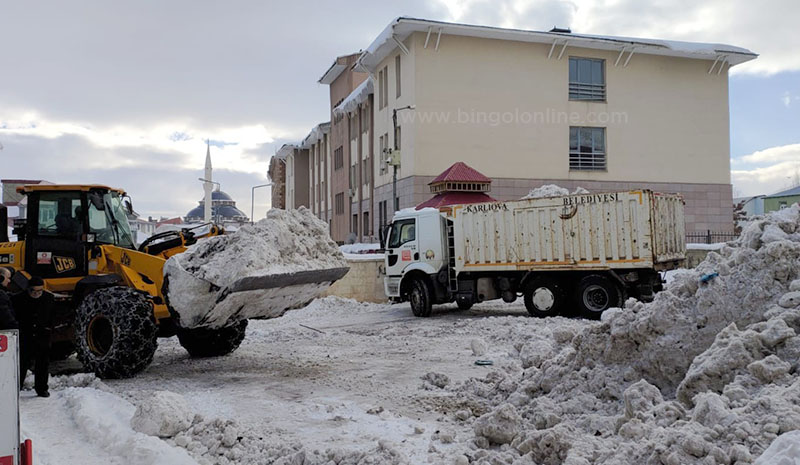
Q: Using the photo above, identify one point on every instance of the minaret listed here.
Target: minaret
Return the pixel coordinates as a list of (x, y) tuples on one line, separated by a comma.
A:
[(207, 186)]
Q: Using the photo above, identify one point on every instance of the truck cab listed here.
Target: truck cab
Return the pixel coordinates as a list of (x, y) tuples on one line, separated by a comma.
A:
[(416, 254)]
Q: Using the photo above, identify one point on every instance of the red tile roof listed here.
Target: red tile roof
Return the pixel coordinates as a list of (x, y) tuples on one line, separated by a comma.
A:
[(460, 172), (455, 198)]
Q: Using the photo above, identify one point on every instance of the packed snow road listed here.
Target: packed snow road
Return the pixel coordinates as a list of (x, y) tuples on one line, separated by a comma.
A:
[(336, 376)]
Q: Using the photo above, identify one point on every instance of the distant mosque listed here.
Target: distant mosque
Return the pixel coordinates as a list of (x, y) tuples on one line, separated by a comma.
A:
[(216, 206)]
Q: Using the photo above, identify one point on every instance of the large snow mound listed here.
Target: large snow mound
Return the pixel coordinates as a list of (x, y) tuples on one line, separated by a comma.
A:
[(706, 373), (286, 241)]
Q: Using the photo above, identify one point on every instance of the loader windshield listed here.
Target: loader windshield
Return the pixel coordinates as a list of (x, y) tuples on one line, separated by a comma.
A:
[(108, 221)]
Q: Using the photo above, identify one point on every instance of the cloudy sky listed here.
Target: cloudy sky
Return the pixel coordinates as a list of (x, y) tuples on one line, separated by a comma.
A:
[(126, 93)]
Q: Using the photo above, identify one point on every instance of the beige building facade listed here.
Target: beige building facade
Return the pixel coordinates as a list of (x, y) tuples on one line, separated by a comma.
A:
[(529, 108)]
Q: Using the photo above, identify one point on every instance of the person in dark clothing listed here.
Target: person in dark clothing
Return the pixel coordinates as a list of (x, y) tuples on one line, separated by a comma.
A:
[(7, 318), (34, 310)]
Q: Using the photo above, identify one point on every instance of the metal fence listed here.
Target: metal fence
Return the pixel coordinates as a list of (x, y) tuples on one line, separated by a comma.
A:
[(709, 237)]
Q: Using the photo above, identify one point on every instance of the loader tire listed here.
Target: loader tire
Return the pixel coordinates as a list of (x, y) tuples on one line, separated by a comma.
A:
[(116, 332), (206, 342), (420, 298)]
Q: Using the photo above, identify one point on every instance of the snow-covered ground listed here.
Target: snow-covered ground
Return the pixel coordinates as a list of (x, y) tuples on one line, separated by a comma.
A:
[(707, 373), (353, 383)]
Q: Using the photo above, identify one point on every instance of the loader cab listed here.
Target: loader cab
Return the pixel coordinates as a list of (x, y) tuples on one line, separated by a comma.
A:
[(64, 221)]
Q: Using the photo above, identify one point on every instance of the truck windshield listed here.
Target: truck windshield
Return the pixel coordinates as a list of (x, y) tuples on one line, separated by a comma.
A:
[(110, 225), (402, 231)]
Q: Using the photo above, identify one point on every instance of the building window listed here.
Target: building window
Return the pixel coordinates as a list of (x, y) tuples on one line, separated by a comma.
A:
[(587, 79), (587, 148), (338, 158), (340, 203), (382, 215), (382, 154), (397, 138), (365, 172), (383, 88), (365, 118), (353, 180), (354, 230), (366, 230), (353, 119), (397, 76)]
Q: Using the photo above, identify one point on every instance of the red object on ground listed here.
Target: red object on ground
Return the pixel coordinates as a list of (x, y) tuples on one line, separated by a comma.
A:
[(26, 453), (7, 460)]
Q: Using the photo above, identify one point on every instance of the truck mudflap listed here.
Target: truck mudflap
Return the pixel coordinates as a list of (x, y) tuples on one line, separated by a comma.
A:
[(251, 297)]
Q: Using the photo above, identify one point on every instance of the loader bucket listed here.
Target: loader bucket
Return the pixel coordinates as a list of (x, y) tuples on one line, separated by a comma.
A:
[(251, 297)]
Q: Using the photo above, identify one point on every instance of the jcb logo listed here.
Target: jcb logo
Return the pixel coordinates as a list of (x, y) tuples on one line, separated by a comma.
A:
[(64, 264)]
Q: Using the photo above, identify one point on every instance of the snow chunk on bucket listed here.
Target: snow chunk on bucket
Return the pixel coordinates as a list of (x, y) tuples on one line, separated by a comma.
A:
[(163, 414), (284, 261)]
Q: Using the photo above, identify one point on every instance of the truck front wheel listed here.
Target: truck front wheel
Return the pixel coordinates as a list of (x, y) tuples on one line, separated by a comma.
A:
[(596, 294), (420, 298), (543, 297)]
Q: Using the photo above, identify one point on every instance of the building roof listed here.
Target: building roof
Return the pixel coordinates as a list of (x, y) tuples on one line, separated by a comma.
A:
[(793, 191), (358, 95), (455, 198), (315, 134), (460, 172), (285, 151), (227, 212), (336, 69), (21, 181), (399, 30)]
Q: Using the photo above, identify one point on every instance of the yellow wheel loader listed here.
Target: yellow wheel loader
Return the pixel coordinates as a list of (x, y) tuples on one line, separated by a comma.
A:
[(112, 297)]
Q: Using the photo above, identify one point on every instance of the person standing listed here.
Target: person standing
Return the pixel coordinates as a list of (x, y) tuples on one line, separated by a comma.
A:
[(34, 310), (7, 318)]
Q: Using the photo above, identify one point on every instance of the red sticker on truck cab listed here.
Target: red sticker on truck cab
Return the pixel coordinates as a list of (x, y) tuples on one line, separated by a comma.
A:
[(406, 256)]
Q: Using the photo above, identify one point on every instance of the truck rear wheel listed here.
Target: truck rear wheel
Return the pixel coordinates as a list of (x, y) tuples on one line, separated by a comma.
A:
[(420, 298), (543, 297), (207, 342), (116, 332), (596, 294)]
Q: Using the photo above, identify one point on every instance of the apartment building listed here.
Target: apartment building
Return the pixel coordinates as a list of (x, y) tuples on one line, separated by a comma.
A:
[(349, 200), (316, 143), (277, 176), (296, 163), (527, 108)]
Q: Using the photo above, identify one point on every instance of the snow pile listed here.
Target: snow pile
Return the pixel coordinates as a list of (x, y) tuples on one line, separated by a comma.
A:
[(285, 241), (706, 373), (104, 419), (552, 190), (162, 414), (225, 442)]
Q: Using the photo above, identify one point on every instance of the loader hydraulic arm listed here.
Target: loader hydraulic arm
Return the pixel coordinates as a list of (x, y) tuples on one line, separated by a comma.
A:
[(139, 270), (169, 243)]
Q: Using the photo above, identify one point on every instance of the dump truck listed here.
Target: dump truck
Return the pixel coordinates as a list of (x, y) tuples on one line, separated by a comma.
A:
[(113, 297), (585, 251)]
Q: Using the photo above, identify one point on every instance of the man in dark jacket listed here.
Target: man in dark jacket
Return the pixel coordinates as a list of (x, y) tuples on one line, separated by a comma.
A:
[(7, 317), (34, 309)]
